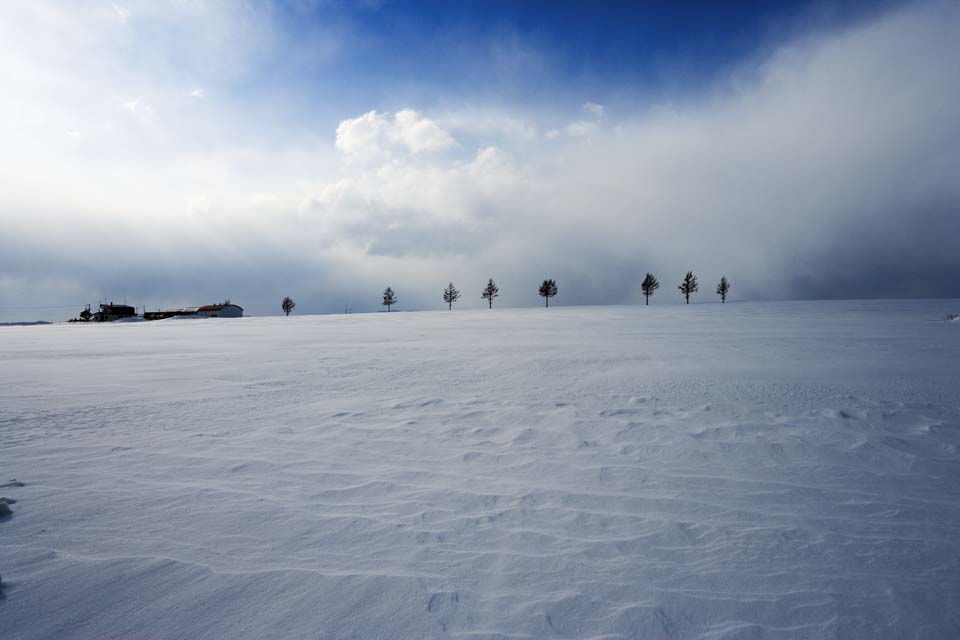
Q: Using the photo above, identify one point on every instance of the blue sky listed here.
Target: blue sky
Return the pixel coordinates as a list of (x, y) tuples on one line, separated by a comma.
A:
[(596, 43), (432, 54), (326, 150)]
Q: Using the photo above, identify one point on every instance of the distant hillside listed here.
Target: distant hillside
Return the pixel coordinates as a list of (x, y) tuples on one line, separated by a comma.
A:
[(23, 324)]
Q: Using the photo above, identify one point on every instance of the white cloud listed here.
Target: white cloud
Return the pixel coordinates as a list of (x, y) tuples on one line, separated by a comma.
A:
[(198, 204), (362, 134), (580, 129), (361, 207), (594, 109), (489, 123), (122, 14), (420, 134), (375, 134), (143, 112)]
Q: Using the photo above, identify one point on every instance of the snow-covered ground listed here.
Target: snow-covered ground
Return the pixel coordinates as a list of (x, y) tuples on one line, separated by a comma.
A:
[(784, 470)]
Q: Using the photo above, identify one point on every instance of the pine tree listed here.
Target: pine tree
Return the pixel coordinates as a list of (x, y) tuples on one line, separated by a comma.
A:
[(688, 286), (649, 285), (450, 295), (490, 292), (548, 289), (287, 305), (722, 288), (389, 298)]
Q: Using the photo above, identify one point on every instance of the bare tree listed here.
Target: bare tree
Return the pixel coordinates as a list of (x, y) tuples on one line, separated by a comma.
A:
[(287, 305), (547, 290), (688, 286), (451, 295), (490, 292), (649, 285), (389, 298), (722, 288)]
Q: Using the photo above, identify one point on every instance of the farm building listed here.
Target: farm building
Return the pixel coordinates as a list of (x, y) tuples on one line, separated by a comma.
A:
[(111, 312), (169, 313), (223, 310)]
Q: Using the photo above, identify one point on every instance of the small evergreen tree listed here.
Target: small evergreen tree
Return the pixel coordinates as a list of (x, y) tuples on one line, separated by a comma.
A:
[(649, 285), (389, 298), (722, 288), (548, 289), (490, 292), (688, 286), (287, 305), (450, 295)]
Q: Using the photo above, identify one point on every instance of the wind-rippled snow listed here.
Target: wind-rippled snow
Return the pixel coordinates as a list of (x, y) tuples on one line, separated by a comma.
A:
[(785, 470)]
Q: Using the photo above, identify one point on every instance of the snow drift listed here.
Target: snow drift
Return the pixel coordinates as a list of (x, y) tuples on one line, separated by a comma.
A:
[(745, 470)]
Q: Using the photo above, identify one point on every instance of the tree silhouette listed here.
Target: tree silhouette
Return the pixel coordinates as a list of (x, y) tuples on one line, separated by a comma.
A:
[(548, 289), (649, 285), (389, 298), (451, 295), (287, 305), (688, 286), (722, 288), (490, 292)]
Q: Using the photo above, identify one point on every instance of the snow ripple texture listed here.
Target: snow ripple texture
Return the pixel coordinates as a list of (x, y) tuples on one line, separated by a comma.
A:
[(785, 470)]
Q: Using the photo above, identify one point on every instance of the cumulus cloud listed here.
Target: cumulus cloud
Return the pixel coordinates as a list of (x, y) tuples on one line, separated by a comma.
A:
[(407, 208), (362, 133), (826, 168), (379, 134)]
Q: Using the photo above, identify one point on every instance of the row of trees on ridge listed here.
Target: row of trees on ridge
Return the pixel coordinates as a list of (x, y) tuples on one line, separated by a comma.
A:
[(451, 294), (688, 285), (547, 290)]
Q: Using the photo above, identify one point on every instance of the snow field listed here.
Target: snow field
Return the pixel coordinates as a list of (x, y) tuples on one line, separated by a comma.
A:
[(780, 470)]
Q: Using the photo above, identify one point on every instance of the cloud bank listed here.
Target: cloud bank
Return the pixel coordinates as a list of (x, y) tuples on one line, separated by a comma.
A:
[(827, 167)]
